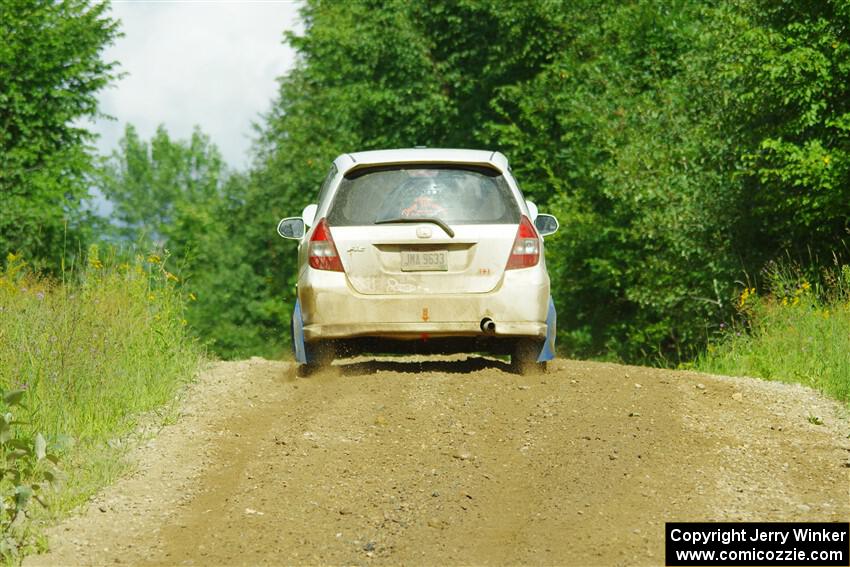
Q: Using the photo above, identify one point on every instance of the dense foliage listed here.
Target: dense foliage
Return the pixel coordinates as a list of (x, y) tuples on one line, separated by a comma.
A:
[(50, 71), (178, 196), (683, 145)]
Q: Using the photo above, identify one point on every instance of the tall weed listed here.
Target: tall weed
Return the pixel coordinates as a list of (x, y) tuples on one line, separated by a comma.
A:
[(93, 353), (798, 332)]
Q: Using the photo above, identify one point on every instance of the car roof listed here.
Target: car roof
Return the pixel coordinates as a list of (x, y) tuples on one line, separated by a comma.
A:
[(347, 162)]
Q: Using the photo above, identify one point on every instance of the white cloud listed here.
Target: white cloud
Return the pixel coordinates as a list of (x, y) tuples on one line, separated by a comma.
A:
[(205, 63)]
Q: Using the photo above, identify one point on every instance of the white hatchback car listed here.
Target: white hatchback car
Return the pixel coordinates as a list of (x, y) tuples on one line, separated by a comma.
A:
[(421, 251)]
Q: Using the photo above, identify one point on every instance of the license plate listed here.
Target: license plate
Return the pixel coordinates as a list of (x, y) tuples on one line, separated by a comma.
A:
[(424, 261)]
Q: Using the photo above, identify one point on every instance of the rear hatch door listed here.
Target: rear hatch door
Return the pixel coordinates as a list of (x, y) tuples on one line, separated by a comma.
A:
[(424, 228), (398, 259)]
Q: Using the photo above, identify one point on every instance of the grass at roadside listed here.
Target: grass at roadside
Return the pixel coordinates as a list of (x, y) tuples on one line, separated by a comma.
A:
[(94, 354), (797, 332)]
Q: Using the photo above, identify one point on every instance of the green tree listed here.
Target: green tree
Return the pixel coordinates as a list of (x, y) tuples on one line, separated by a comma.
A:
[(683, 145), (794, 116), (633, 121), (178, 195), (157, 189), (617, 133), (50, 71)]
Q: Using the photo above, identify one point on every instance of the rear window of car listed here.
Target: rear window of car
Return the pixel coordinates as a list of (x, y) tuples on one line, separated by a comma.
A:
[(454, 194)]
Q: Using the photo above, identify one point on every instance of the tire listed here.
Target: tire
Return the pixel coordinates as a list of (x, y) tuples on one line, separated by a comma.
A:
[(524, 357), (320, 354)]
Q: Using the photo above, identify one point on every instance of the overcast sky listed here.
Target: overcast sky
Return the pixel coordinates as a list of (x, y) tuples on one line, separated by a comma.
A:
[(204, 62)]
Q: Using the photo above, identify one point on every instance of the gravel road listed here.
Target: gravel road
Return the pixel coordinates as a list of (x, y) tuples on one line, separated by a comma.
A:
[(460, 463)]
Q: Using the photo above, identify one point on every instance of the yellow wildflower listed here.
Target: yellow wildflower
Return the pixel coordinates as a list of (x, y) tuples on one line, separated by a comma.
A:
[(784, 301), (154, 259), (192, 297), (806, 286), (826, 160), (171, 277)]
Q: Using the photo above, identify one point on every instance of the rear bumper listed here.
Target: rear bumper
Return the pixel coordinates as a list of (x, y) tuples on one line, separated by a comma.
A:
[(417, 330), (332, 309)]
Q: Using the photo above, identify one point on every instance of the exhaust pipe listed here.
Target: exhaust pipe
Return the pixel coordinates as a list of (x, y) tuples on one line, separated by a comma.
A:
[(488, 326)]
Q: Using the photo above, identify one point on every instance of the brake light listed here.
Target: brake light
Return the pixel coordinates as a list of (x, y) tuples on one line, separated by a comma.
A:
[(322, 251), (526, 249)]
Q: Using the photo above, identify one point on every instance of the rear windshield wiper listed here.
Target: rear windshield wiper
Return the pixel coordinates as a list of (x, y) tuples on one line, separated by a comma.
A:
[(439, 222)]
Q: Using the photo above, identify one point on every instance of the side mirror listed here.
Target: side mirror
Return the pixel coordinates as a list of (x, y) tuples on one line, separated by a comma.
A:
[(532, 209), (309, 214), (546, 225), (293, 228)]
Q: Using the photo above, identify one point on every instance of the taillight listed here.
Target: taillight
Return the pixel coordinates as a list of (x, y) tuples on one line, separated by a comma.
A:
[(322, 251), (526, 249)]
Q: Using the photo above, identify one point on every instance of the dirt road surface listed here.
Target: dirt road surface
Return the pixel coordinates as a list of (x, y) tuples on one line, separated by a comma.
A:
[(461, 463)]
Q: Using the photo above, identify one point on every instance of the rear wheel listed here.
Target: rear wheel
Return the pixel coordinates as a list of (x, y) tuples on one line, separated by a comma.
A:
[(320, 355), (524, 357)]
